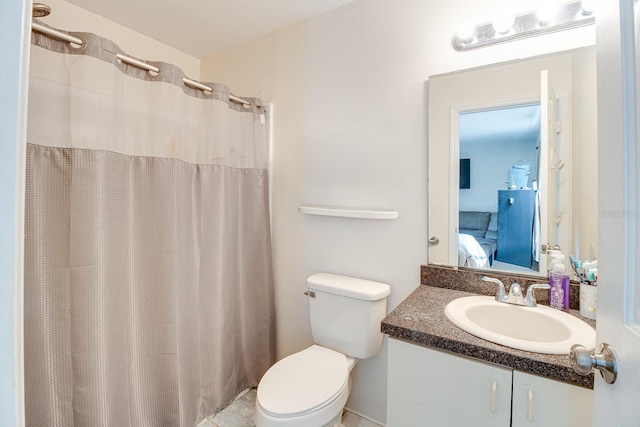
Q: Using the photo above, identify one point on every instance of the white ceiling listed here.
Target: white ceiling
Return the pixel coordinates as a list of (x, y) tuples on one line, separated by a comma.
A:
[(202, 28), (514, 124)]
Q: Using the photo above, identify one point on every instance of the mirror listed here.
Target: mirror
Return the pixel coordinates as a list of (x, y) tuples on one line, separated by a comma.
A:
[(505, 182)]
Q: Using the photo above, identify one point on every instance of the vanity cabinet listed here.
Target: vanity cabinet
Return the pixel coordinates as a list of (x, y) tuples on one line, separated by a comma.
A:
[(431, 388), (541, 402), (428, 387)]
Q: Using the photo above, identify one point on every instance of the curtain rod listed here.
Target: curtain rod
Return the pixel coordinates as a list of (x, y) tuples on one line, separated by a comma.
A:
[(60, 35), (197, 85)]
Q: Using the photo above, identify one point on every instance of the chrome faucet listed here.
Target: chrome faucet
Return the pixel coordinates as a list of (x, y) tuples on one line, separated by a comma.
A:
[(515, 292), (501, 295), (530, 299)]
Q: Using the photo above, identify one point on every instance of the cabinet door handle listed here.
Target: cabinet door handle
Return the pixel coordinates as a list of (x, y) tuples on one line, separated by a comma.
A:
[(530, 404), (494, 390)]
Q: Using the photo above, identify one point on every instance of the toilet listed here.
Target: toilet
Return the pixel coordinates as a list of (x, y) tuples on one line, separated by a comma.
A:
[(310, 388)]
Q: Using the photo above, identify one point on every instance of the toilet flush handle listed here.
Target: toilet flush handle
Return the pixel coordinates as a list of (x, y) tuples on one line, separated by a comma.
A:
[(310, 294)]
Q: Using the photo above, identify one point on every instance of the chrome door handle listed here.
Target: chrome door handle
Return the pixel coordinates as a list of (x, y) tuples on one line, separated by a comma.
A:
[(433, 241), (584, 361)]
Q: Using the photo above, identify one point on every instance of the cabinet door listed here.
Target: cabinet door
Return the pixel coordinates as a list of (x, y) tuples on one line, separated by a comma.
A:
[(428, 387), (541, 402)]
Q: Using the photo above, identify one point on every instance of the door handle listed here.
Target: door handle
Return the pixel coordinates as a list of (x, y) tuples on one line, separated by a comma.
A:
[(494, 392), (584, 361), (433, 241), (530, 404)]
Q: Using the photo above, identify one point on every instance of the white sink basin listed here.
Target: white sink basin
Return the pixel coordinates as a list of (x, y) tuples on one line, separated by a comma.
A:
[(538, 329)]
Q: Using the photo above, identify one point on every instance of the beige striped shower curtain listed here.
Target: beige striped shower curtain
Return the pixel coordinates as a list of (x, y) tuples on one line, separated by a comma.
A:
[(148, 282)]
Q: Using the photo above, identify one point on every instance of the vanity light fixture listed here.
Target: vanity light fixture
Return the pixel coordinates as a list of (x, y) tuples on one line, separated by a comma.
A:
[(550, 18)]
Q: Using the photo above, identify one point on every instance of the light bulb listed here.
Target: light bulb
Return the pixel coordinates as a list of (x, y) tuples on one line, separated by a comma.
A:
[(547, 12), (588, 7), (465, 32), (503, 22)]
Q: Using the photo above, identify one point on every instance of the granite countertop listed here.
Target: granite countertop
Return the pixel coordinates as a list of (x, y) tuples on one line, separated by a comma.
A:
[(420, 319)]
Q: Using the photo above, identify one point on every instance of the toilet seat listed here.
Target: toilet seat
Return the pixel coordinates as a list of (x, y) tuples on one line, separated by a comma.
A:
[(304, 382)]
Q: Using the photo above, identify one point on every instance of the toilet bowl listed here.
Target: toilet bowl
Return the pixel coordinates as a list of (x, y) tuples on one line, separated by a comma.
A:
[(309, 388)]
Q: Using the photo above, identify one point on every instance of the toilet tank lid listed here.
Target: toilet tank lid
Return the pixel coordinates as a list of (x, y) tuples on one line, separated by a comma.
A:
[(348, 286)]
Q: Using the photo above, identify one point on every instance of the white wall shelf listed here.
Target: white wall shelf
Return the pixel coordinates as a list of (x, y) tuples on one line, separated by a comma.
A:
[(348, 212)]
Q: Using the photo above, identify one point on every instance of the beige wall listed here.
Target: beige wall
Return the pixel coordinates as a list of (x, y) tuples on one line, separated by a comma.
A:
[(68, 17), (350, 129)]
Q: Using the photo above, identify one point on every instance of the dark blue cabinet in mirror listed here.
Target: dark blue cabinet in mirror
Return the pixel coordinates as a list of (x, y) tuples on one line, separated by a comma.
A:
[(516, 215)]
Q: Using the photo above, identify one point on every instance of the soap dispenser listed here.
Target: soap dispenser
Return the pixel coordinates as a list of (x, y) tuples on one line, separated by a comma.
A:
[(559, 287)]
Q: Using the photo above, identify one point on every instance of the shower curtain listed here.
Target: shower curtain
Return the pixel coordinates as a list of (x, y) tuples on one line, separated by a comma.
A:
[(148, 282)]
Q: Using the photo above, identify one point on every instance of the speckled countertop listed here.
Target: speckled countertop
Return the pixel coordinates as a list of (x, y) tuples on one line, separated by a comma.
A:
[(420, 319)]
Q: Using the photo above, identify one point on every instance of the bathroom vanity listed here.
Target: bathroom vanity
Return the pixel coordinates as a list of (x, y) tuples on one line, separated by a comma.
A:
[(439, 375), (431, 387)]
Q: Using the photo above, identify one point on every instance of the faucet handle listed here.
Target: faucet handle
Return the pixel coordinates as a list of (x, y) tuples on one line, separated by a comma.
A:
[(501, 295), (530, 299)]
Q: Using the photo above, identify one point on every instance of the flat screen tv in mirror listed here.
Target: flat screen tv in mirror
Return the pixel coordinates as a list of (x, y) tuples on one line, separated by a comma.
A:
[(465, 173)]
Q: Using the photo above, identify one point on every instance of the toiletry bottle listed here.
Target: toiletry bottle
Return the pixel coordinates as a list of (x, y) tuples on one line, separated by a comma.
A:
[(555, 256), (559, 287)]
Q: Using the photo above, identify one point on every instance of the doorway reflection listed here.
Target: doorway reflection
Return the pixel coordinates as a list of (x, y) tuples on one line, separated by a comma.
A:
[(498, 199)]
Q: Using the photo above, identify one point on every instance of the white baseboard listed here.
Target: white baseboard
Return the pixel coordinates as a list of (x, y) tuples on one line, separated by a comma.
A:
[(364, 408)]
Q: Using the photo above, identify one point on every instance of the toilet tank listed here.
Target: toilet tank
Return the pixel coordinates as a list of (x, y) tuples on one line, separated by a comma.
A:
[(345, 313)]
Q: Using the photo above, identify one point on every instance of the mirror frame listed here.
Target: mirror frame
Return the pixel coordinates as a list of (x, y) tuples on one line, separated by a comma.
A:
[(438, 168)]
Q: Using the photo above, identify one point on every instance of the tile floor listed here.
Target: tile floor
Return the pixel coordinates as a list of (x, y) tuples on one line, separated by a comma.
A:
[(239, 413)]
